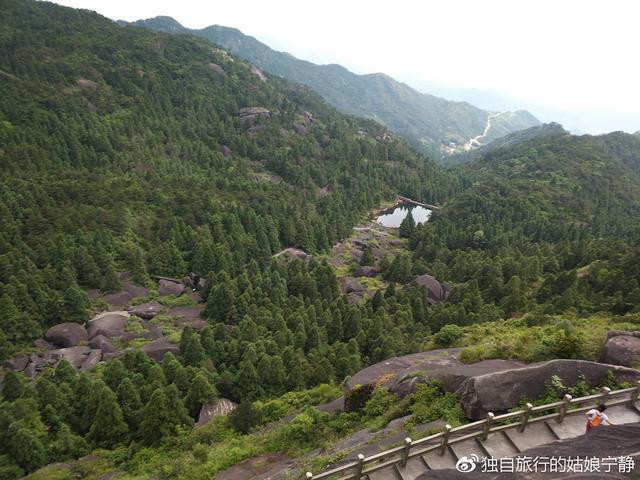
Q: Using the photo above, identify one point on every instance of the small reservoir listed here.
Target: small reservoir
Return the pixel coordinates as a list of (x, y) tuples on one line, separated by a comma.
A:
[(394, 216)]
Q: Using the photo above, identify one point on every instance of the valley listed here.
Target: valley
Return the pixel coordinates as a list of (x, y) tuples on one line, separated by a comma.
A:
[(208, 270)]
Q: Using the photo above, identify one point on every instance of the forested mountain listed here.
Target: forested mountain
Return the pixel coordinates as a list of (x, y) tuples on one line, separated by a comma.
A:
[(124, 149), (431, 124), (509, 140), (545, 225)]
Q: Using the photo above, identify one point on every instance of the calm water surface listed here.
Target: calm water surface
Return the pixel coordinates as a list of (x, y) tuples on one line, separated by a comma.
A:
[(394, 218)]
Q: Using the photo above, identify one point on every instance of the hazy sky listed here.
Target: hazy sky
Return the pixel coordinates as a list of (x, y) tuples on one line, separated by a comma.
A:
[(555, 57)]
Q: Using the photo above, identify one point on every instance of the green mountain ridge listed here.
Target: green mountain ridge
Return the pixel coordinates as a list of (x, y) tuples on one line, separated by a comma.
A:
[(124, 149), (431, 124), (511, 139)]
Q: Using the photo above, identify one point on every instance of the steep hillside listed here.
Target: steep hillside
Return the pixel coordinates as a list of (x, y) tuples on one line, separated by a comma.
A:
[(545, 225), (431, 124), (124, 149), (507, 141)]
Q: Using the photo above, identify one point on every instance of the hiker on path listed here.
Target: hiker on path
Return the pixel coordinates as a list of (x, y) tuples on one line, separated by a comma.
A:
[(596, 417)]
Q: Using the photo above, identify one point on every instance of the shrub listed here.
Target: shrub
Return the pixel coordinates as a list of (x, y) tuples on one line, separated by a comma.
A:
[(447, 335)]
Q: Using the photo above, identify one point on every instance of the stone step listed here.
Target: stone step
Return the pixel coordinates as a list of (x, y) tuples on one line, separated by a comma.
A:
[(498, 445), (571, 426), (535, 434), (389, 473), (416, 466), (619, 414), (467, 448), (435, 461)]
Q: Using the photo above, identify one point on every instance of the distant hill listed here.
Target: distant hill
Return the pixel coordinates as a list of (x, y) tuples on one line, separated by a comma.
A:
[(514, 138), (586, 179), (431, 124)]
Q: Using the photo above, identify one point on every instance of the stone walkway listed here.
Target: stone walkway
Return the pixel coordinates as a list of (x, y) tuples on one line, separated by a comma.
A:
[(502, 444)]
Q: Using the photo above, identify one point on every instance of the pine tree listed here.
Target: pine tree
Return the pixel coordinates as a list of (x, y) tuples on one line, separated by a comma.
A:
[(130, 403), (367, 259), (27, 450), (408, 226), (194, 353), (177, 406), (13, 386), (157, 419), (110, 282), (200, 393), (66, 445), (108, 427)]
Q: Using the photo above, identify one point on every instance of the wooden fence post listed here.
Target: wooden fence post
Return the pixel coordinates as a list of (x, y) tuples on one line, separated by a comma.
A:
[(525, 417), (445, 439)]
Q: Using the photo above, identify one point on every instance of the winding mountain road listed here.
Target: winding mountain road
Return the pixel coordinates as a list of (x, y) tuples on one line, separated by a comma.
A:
[(476, 140)]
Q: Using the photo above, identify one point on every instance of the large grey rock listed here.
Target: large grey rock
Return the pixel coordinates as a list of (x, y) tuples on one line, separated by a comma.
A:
[(299, 129), (91, 360), (366, 272), (252, 113), (436, 291), (101, 342), (76, 356), (17, 363), (158, 348), (393, 368), (135, 290), (119, 299), (147, 310), (500, 391), (43, 344), (452, 374), (108, 324), (349, 285), (258, 73), (289, 254), (622, 348), (66, 334), (167, 287), (220, 407), (217, 69)]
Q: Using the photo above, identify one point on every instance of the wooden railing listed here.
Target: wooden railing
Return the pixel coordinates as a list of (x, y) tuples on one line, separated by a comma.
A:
[(479, 429)]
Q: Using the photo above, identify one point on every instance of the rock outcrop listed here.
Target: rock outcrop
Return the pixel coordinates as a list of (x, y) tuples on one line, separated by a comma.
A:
[(252, 113), (366, 272), (158, 348), (622, 348), (499, 391), (102, 343), (436, 291), (108, 324), (168, 287), (217, 69), (226, 151), (147, 310), (350, 285), (289, 254), (66, 334), (258, 73), (220, 407)]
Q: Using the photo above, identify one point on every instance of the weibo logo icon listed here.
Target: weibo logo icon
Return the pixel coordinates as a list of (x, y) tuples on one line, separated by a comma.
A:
[(467, 464)]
